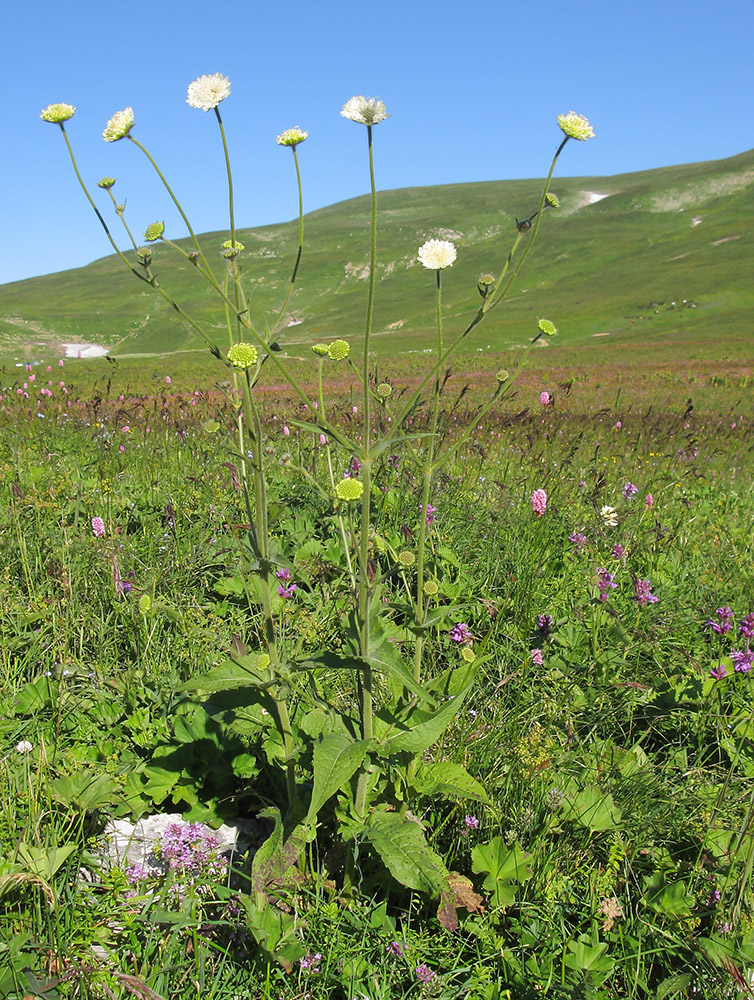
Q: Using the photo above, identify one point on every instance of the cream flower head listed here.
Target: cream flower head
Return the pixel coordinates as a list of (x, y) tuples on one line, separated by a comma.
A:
[(206, 92), (119, 125), (576, 126), (365, 110), (437, 254), (291, 136), (57, 113)]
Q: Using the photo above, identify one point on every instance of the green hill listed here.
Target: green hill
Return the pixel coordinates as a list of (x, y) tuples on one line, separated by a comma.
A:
[(660, 260)]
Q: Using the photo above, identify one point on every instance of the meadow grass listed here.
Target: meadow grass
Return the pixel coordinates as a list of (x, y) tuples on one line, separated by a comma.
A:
[(610, 853)]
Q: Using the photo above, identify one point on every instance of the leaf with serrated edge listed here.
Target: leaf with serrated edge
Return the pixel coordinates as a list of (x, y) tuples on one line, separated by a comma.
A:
[(336, 760), (406, 854)]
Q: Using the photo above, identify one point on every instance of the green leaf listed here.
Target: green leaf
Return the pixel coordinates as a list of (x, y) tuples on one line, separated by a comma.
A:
[(450, 779), (234, 673), (419, 730), (671, 898), (673, 985), (589, 958), (410, 860), (593, 809), (336, 760), (502, 866), (84, 790), (44, 861), (34, 696)]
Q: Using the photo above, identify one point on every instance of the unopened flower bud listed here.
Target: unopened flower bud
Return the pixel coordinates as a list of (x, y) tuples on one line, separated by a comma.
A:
[(242, 355), (349, 490), (320, 349), (338, 350), (106, 183), (485, 283), (430, 588), (547, 327), (144, 255), (231, 249), (406, 558), (154, 231), (502, 375), (384, 390), (551, 200)]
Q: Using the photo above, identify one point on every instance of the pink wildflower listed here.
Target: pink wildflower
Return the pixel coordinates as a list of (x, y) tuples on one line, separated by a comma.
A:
[(539, 502), (536, 657), (649, 500), (98, 527), (544, 398)]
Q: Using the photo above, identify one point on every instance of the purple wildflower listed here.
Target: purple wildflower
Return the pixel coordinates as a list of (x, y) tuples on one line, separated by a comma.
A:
[(310, 963), (544, 625), (461, 633), (746, 628), (714, 898), (643, 592), (98, 527), (355, 466), (395, 949), (629, 491), (742, 659), (136, 873), (286, 588), (726, 621), (471, 822), (578, 539), (424, 974), (617, 551), (536, 657), (718, 672), (605, 582), (429, 514)]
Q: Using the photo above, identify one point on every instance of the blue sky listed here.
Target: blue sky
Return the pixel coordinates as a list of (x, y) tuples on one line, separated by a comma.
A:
[(473, 90)]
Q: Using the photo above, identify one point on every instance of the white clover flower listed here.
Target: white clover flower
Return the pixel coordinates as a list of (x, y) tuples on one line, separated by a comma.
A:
[(609, 516), (119, 125), (437, 254), (206, 92), (57, 113), (24, 747), (365, 110), (291, 136), (576, 126)]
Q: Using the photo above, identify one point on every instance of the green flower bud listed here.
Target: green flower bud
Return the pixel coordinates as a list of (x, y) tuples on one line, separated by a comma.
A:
[(231, 249), (263, 661), (320, 349), (349, 490), (551, 200), (106, 183), (484, 284), (384, 390), (144, 255), (468, 654), (145, 604), (548, 328), (431, 589), (154, 231), (338, 350), (406, 558), (502, 375), (242, 355)]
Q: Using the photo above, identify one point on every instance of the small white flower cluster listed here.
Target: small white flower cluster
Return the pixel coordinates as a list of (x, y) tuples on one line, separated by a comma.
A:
[(437, 254), (365, 110), (206, 92), (24, 747)]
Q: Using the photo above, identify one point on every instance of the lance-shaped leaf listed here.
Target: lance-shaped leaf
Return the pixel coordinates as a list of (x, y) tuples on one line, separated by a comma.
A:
[(336, 759), (406, 854), (420, 729), (447, 778)]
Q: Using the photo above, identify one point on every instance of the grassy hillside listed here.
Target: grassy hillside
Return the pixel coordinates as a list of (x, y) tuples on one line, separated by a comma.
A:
[(662, 262)]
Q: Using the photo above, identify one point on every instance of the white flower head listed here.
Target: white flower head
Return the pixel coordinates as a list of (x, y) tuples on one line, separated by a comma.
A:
[(576, 126), (437, 254), (609, 516), (24, 747), (57, 113), (292, 136), (365, 110), (119, 125), (206, 92)]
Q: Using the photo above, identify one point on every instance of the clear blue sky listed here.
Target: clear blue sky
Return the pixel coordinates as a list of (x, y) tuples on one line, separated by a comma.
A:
[(474, 91)]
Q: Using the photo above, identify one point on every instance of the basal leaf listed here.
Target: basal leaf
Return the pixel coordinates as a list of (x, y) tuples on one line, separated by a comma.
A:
[(406, 854)]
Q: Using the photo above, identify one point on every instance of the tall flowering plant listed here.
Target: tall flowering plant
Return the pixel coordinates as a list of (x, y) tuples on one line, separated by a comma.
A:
[(352, 770)]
